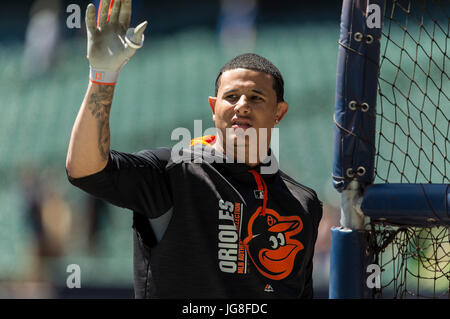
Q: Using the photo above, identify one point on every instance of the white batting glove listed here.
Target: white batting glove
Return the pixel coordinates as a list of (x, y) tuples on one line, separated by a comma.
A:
[(112, 43)]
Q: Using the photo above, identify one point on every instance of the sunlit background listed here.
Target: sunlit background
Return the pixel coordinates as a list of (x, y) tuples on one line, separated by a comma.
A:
[(45, 223)]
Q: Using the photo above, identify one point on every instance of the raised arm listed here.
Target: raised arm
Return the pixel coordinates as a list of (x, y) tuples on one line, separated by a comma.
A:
[(111, 43), (89, 143)]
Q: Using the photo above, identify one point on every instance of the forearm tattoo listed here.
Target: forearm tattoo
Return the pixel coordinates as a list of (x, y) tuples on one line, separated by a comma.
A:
[(99, 103)]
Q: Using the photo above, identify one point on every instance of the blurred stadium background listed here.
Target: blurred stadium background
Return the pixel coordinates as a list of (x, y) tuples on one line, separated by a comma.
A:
[(45, 223)]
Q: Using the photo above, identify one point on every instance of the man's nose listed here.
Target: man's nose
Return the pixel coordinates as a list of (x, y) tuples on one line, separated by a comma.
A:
[(242, 106)]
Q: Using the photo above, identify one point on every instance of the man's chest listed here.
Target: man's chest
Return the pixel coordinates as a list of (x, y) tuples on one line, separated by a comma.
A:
[(248, 228)]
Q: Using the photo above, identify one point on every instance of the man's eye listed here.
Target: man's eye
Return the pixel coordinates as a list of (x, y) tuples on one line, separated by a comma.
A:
[(256, 98)]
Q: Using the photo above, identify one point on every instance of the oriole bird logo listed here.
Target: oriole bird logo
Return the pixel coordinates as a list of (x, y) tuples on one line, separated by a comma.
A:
[(270, 243)]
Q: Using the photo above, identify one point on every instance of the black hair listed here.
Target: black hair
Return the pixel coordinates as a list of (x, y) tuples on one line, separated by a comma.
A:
[(258, 63)]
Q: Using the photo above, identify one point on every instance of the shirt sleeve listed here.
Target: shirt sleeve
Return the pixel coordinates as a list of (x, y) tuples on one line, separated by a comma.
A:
[(317, 210), (135, 181), (308, 292)]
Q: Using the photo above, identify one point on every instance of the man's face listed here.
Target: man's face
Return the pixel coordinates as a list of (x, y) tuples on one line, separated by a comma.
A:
[(246, 101)]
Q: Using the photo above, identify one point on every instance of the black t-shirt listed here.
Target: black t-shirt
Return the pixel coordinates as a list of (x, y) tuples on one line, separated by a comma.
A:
[(205, 228)]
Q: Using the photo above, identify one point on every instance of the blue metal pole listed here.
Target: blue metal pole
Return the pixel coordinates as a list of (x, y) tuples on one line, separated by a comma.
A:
[(348, 263)]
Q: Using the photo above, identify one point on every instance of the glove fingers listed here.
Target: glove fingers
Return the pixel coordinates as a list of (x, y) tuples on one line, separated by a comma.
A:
[(114, 17), (136, 37), (90, 18), (125, 14), (103, 13)]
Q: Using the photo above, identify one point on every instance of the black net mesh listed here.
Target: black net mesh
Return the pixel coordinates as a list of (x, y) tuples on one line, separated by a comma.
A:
[(413, 108), (413, 112), (415, 261)]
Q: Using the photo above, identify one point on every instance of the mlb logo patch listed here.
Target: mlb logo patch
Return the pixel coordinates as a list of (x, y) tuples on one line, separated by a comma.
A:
[(259, 194)]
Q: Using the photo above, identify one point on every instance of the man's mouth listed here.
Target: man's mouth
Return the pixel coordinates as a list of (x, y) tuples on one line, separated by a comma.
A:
[(242, 126), (240, 123)]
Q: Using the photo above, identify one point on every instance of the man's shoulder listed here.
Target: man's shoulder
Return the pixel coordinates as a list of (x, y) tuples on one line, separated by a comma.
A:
[(309, 192), (305, 195), (154, 157), (161, 153), (170, 157)]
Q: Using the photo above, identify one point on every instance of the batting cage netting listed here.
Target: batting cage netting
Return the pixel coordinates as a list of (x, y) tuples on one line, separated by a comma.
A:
[(413, 123), (392, 137)]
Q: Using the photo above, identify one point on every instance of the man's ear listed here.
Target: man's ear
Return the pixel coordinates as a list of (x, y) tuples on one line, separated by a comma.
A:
[(212, 103), (282, 108)]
